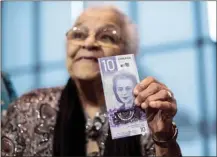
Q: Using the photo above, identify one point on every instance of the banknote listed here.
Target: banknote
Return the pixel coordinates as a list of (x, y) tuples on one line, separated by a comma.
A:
[(119, 77)]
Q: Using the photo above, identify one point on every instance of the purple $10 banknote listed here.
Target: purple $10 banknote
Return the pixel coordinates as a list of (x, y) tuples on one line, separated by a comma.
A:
[(119, 77)]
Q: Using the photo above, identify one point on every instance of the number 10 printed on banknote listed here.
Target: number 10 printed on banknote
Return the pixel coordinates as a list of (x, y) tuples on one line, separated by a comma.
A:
[(119, 77)]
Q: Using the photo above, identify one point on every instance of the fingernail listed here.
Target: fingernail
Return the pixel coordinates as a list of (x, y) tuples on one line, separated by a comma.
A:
[(144, 105), (136, 91)]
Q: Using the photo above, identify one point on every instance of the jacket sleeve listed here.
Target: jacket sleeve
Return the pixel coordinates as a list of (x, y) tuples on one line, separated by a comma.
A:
[(27, 127), (12, 141), (16, 129)]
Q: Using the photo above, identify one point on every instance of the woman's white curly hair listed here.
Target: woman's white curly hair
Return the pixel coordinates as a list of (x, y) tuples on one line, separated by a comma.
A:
[(129, 35)]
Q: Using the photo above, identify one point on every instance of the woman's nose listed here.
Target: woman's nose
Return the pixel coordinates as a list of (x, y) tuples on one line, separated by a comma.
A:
[(90, 43), (124, 92)]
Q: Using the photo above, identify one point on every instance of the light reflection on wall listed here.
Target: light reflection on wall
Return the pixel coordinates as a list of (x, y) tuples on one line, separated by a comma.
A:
[(211, 8)]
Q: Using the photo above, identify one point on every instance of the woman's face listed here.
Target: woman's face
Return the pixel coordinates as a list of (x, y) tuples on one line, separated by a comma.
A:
[(96, 34), (124, 88)]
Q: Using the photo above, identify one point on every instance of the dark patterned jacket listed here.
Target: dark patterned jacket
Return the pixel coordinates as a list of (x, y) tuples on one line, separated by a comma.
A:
[(27, 128)]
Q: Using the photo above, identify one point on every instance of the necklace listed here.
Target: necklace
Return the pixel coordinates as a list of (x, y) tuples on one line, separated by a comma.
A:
[(97, 130), (125, 115)]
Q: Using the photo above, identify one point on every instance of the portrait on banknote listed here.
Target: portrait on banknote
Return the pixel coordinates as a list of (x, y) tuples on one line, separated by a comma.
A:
[(119, 77), (123, 85)]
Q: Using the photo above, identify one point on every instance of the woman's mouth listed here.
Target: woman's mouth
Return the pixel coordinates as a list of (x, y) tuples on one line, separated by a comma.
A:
[(91, 58), (125, 98)]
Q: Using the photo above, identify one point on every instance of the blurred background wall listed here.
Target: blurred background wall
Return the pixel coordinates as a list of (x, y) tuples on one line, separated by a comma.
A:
[(177, 46)]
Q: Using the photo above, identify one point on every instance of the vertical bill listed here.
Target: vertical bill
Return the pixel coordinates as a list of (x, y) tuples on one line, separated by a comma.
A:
[(119, 77)]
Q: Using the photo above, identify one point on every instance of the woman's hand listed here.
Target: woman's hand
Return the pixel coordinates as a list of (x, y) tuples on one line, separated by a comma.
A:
[(160, 106)]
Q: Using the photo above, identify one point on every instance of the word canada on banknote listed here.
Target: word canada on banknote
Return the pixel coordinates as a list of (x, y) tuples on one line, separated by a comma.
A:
[(119, 77)]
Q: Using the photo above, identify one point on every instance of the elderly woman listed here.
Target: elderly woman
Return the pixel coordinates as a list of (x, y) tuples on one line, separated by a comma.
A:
[(65, 121)]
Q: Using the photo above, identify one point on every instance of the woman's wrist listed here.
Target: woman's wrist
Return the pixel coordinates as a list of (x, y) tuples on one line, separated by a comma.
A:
[(165, 138), (165, 134)]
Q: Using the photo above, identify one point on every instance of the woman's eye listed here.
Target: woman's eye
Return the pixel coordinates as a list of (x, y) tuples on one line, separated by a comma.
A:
[(78, 36), (120, 89), (107, 39), (128, 88)]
